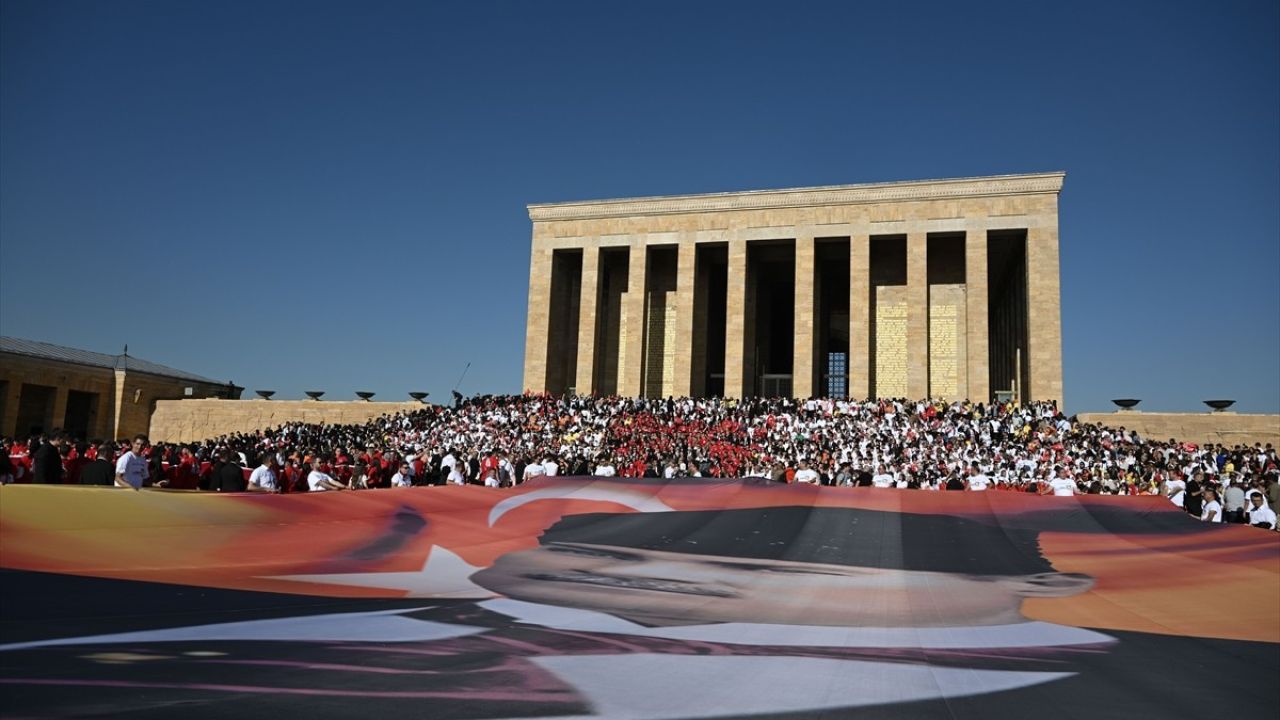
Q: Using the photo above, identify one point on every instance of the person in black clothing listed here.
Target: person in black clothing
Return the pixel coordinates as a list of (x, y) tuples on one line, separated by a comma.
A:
[(47, 461), (1192, 500), (955, 483), (155, 467), (8, 473), (228, 476), (100, 470)]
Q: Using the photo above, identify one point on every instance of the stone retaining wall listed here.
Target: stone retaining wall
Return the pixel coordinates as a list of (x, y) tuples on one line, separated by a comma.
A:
[(192, 420), (1226, 428)]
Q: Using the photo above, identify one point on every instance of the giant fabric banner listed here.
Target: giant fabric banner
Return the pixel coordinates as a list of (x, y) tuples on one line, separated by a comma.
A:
[(585, 598)]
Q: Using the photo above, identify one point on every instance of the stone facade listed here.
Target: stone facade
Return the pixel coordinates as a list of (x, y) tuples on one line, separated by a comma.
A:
[(89, 401), (1225, 428), (195, 420), (779, 260)]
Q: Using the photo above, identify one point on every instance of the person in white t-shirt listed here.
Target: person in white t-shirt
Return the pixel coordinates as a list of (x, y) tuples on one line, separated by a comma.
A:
[(534, 470), (1176, 490), (1212, 509), (979, 482), (131, 468), (806, 475), (605, 469), (550, 467), (1260, 514), (882, 478), (404, 478), (1061, 486), (456, 477), (318, 481)]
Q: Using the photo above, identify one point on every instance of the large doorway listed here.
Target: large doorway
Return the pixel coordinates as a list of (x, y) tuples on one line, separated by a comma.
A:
[(831, 317), (562, 330), (615, 264), (35, 410), (82, 412), (658, 369), (1007, 311), (710, 300), (770, 317)]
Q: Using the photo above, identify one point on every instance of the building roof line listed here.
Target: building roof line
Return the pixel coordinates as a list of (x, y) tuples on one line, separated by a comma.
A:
[(76, 356), (896, 191)]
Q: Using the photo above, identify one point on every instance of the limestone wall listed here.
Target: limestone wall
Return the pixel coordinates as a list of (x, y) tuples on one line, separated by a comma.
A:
[(123, 398), (191, 420), (1225, 428), (17, 370), (974, 207)]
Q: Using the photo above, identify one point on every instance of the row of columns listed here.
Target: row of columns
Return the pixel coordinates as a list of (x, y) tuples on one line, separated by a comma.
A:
[(1044, 329)]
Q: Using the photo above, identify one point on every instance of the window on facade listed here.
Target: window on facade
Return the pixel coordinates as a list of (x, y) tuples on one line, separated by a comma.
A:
[(837, 374)]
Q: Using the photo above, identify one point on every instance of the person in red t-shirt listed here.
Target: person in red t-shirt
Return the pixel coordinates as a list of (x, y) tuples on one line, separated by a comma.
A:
[(377, 475), (73, 461)]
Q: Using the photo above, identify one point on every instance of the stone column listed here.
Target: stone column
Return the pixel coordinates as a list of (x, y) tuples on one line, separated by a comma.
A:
[(59, 408), (118, 393), (1044, 316), (686, 281), (538, 326), (976, 343), (698, 339), (803, 381), (917, 315), (589, 303), (735, 320), (860, 316), (632, 382)]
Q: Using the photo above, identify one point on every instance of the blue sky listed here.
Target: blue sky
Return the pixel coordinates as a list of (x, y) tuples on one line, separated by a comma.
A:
[(332, 196)]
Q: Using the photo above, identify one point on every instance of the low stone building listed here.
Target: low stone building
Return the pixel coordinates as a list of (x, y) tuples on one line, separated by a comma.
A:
[(88, 394)]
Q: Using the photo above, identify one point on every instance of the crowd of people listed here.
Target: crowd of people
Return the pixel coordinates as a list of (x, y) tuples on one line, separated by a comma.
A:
[(501, 441)]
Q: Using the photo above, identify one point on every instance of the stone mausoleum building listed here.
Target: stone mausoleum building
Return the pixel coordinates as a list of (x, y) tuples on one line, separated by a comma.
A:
[(939, 288), (88, 394)]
